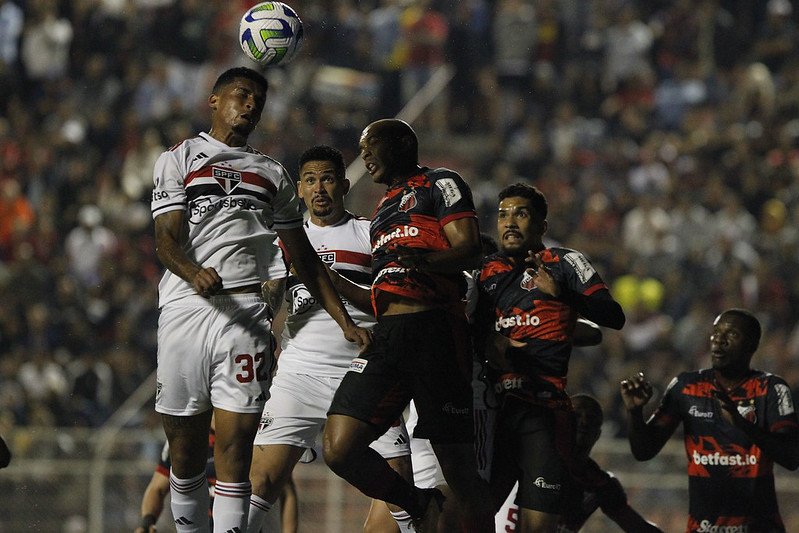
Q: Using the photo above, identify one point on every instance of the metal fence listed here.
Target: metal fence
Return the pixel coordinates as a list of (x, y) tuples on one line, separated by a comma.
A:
[(67, 481)]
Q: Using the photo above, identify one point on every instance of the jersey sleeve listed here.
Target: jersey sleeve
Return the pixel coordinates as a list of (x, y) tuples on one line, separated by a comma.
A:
[(286, 205), (578, 272), (452, 197), (169, 191), (780, 408), (668, 411)]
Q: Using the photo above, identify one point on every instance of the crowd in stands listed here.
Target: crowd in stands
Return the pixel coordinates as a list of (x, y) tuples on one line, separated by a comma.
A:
[(665, 135)]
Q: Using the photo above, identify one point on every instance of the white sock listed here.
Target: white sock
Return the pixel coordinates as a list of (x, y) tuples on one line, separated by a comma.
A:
[(190, 503), (259, 508), (231, 505), (272, 523), (403, 519)]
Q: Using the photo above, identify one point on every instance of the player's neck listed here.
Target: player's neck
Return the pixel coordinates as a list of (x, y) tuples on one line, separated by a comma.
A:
[(401, 176), (229, 137), (328, 220), (729, 380)]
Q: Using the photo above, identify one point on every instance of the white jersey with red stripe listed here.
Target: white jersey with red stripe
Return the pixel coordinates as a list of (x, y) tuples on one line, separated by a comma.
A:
[(234, 198), (312, 342)]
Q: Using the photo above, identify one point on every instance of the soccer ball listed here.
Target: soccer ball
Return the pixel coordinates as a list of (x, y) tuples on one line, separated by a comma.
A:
[(270, 33)]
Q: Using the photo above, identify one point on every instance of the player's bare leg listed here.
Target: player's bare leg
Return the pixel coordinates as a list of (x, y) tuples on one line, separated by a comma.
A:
[(232, 456), (270, 473), (386, 517)]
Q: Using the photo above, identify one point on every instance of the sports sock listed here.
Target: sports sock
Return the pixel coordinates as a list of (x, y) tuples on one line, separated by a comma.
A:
[(258, 511), (190, 503), (403, 519), (231, 505)]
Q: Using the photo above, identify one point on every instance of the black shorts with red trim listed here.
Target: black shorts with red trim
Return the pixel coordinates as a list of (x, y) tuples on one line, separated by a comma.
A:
[(422, 356)]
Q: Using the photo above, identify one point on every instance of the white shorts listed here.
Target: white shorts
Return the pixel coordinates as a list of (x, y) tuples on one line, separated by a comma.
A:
[(296, 412), (426, 470), (216, 352)]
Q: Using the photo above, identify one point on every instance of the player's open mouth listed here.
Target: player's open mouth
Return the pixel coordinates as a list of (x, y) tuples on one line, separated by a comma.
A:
[(511, 236), (371, 168)]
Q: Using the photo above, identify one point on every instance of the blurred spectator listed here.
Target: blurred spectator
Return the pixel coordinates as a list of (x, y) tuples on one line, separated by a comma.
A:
[(46, 31), (88, 244), (16, 216), (514, 37)]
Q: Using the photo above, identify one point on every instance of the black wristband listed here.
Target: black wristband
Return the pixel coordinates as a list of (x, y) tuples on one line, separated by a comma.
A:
[(147, 521)]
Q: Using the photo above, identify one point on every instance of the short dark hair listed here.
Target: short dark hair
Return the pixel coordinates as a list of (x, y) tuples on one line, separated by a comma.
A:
[(229, 75), (753, 329), (323, 152), (524, 190)]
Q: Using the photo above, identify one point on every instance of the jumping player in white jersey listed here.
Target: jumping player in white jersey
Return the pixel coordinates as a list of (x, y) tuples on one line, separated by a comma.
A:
[(218, 206), (314, 356)]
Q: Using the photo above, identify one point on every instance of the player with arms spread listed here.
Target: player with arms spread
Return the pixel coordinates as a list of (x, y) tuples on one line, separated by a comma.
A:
[(530, 300), (424, 234), (737, 422), (218, 204)]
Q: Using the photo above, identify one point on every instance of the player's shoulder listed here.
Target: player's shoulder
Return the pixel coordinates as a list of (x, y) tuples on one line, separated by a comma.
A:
[(186, 143), (494, 264)]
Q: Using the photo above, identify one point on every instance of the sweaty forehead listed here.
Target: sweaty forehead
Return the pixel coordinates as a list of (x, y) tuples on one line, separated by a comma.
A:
[(514, 203)]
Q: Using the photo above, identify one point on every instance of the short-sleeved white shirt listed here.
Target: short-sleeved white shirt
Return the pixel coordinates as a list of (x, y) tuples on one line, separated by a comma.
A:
[(233, 198)]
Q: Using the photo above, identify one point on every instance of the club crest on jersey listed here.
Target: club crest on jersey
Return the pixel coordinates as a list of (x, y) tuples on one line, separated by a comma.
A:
[(748, 412), (227, 179), (527, 282), (408, 202)]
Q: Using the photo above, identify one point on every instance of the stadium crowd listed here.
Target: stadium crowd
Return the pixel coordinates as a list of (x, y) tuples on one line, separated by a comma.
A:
[(665, 135)]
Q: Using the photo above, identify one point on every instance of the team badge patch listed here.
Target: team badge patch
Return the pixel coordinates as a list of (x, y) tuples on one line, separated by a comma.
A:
[(266, 420), (358, 365), (450, 191), (527, 282), (227, 179), (784, 399), (408, 202), (580, 265)]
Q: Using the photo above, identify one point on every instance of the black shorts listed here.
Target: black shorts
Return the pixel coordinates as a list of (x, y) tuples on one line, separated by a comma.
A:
[(421, 356), (537, 440)]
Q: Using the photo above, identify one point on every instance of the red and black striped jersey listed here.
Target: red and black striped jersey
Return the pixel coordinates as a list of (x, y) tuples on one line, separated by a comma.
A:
[(521, 311), (413, 214), (731, 482)]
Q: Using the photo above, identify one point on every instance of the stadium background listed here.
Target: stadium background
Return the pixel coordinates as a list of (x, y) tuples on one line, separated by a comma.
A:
[(664, 134)]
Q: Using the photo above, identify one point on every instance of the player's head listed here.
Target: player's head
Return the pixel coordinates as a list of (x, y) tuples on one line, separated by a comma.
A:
[(735, 338), (521, 219), (588, 423), (390, 150), (237, 100), (323, 183)]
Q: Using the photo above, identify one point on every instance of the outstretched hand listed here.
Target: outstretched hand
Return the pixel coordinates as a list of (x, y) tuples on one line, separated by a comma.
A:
[(729, 409), (636, 391)]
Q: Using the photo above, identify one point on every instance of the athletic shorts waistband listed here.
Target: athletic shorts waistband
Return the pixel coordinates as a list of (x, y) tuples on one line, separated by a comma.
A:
[(218, 301)]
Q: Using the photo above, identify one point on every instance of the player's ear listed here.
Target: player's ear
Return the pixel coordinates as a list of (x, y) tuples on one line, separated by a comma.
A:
[(346, 184), (212, 100)]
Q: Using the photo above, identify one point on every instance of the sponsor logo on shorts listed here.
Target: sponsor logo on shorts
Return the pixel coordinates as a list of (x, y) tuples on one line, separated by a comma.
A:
[(266, 420), (695, 412), (541, 483), (719, 459), (358, 364), (705, 526), (451, 409), (449, 190)]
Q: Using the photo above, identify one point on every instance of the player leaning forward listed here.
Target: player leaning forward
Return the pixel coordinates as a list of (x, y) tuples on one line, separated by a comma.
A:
[(218, 205)]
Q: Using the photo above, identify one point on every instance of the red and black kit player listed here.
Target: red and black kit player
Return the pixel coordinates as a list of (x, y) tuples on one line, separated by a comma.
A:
[(424, 234), (530, 299), (737, 422)]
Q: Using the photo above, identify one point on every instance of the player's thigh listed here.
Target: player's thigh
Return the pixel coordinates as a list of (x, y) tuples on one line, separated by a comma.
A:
[(531, 521), (188, 443), (233, 444), (242, 354), (296, 410)]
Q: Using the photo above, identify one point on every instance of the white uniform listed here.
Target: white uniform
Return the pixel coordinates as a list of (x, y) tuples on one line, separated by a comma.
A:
[(315, 355), (219, 351)]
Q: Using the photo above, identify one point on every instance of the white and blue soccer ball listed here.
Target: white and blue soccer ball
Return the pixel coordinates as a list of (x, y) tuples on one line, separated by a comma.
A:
[(270, 33)]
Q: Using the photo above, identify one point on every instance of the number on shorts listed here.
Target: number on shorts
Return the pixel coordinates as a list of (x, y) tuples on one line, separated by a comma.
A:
[(253, 367)]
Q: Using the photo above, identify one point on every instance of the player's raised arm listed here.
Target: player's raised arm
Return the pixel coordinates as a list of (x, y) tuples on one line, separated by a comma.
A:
[(313, 274), (646, 439)]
